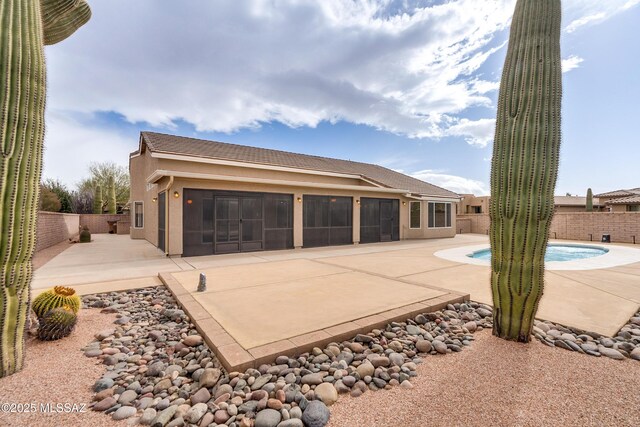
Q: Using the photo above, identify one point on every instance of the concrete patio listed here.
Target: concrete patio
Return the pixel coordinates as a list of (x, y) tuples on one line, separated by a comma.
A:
[(296, 298)]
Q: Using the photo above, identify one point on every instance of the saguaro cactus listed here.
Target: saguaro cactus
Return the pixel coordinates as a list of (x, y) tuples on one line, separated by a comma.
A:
[(524, 166), (589, 200), (27, 25), (111, 195), (97, 200)]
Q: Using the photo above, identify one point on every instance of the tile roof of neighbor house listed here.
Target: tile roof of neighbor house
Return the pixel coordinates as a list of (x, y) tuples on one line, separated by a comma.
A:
[(172, 144), (573, 201), (620, 193), (631, 200)]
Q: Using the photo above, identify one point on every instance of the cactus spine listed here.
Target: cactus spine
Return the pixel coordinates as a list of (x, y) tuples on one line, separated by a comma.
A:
[(57, 323), (59, 296), (27, 25), (97, 200), (111, 195), (524, 166), (589, 200)]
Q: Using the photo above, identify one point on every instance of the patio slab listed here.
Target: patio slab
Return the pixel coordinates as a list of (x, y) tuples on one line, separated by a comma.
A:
[(252, 313)]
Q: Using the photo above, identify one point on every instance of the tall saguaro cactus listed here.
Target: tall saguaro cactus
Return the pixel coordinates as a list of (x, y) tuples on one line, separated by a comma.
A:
[(589, 200), (97, 200), (524, 166), (111, 195), (25, 27)]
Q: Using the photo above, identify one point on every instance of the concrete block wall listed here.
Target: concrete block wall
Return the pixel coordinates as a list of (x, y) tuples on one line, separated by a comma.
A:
[(98, 224), (624, 227), (54, 227)]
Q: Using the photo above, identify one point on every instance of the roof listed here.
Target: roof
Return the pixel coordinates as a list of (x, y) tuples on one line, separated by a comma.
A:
[(172, 144), (620, 193), (573, 201), (631, 200)]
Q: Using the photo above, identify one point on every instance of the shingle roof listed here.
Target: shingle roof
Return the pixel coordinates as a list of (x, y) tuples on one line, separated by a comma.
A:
[(163, 143), (631, 200), (573, 201), (620, 193)]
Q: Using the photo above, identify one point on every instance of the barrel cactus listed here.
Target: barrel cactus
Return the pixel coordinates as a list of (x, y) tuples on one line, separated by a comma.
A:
[(57, 323), (59, 296), (97, 200), (524, 166), (589, 200), (27, 25), (85, 235)]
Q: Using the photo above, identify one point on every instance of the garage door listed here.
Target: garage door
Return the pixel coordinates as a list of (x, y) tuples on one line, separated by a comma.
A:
[(328, 220)]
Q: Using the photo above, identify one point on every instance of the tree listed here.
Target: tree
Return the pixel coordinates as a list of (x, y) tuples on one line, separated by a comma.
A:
[(111, 196), (27, 25), (66, 204), (524, 166), (82, 202), (99, 174), (97, 201), (49, 200), (589, 200)]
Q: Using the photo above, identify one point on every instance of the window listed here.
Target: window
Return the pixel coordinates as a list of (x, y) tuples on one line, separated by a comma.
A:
[(633, 208), (414, 215), (138, 215), (439, 215)]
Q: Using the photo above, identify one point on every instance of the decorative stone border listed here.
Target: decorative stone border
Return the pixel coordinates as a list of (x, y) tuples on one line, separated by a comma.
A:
[(234, 357)]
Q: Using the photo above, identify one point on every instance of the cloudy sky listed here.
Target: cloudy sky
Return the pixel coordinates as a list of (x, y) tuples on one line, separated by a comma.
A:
[(408, 84)]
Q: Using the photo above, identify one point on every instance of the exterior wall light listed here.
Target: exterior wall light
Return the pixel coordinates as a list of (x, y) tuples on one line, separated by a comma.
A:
[(155, 199), (358, 201), (299, 199), (176, 194), (404, 203)]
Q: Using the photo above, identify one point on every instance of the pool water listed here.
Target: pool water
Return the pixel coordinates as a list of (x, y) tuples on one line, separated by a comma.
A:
[(556, 253)]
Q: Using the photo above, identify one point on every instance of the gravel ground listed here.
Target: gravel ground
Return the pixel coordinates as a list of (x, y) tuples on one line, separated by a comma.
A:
[(500, 383), (58, 372)]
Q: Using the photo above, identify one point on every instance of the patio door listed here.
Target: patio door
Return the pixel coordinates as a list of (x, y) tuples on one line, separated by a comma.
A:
[(238, 224), (162, 220), (379, 220)]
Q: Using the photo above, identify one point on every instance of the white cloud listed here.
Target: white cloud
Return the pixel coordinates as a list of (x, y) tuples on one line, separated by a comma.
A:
[(453, 183), (571, 63), (630, 4), (476, 132), (71, 144), (227, 65), (580, 22)]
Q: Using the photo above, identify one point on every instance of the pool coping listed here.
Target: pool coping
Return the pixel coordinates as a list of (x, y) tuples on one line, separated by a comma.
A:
[(615, 257), (234, 357)]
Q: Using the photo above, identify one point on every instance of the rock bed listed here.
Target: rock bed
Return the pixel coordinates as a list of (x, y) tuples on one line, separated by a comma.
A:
[(160, 370), (625, 344)]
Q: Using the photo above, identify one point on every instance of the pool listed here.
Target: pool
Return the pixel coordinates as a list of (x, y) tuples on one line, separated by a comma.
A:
[(555, 253)]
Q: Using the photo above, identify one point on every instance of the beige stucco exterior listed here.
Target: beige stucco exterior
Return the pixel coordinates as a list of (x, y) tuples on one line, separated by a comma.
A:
[(152, 173)]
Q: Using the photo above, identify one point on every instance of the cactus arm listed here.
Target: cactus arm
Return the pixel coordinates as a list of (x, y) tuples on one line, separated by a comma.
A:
[(61, 18), (589, 200), (525, 165)]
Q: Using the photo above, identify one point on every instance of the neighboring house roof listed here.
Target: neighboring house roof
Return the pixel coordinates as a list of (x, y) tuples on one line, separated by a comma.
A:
[(631, 200), (620, 193), (573, 201), (172, 144)]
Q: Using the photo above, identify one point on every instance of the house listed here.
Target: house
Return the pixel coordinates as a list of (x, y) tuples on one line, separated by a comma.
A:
[(565, 204), (470, 204), (621, 200), (195, 197)]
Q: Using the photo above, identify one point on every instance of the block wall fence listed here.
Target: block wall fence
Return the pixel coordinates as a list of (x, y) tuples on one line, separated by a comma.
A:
[(624, 227), (54, 227)]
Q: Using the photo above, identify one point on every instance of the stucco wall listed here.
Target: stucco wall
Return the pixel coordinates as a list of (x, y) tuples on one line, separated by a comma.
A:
[(622, 226), (54, 227)]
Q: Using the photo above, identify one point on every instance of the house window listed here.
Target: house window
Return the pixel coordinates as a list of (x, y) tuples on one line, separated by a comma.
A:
[(414, 214), (633, 208), (439, 215), (138, 215)]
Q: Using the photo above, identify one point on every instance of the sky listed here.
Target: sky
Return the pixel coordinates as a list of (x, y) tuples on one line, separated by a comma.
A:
[(407, 84)]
